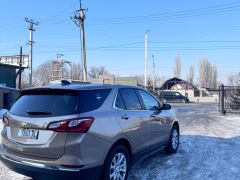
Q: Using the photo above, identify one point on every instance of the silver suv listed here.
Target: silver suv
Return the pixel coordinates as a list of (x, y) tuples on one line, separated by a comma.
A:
[(85, 131)]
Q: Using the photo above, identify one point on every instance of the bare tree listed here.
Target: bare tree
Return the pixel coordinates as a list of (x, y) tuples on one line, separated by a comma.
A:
[(214, 77), (207, 74), (140, 79), (42, 75), (200, 74), (24, 79), (190, 75), (177, 67), (234, 79), (76, 71), (94, 71), (158, 80), (231, 80)]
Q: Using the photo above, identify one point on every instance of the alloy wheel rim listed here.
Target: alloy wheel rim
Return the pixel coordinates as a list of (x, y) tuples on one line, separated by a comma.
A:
[(175, 139), (118, 167)]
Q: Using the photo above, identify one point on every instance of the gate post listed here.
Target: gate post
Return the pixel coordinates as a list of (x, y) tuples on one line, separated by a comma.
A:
[(222, 100)]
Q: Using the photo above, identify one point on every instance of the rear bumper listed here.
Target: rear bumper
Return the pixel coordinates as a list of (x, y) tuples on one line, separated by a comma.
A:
[(41, 171)]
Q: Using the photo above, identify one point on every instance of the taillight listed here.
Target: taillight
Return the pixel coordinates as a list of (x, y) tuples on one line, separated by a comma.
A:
[(80, 125), (5, 121)]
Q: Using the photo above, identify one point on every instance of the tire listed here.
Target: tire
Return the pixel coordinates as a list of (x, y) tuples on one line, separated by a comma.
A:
[(173, 142), (120, 156)]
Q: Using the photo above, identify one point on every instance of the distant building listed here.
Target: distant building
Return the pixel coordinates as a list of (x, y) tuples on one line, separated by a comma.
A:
[(8, 75), (111, 79), (7, 97), (9, 69), (182, 86), (126, 80)]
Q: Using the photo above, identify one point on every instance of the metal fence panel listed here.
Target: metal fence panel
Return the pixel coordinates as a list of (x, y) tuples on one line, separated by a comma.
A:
[(229, 99)]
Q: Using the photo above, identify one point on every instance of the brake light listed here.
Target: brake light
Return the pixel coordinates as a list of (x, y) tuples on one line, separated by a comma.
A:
[(80, 125), (5, 121)]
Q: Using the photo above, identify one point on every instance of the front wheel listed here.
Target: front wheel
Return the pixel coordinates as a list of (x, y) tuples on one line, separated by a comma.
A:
[(117, 164), (173, 142), (184, 101)]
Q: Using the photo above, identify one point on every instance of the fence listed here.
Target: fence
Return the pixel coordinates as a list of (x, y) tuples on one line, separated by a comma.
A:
[(229, 99)]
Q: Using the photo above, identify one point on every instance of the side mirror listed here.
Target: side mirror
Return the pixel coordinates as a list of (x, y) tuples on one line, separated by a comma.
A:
[(2, 112), (166, 106)]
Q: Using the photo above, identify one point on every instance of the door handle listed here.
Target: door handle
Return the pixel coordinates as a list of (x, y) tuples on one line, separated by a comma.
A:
[(125, 117)]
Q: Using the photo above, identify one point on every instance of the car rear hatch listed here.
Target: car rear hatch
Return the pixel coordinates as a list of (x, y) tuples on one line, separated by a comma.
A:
[(27, 131)]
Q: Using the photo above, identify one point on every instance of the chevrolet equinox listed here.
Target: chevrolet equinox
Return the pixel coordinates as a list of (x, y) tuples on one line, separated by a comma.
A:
[(85, 131)]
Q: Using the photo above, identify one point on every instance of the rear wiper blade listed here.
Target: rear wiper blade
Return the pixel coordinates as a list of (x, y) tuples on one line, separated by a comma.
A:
[(35, 113)]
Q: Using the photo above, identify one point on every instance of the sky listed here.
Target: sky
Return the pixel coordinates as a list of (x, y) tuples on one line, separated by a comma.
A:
[(115, 33)]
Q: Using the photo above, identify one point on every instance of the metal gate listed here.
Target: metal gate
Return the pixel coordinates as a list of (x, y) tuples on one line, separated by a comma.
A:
[(229, 99)]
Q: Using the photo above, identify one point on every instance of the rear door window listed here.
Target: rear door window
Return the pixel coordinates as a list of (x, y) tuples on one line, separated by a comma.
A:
[(119, 102), (90, 100), (130, 99)]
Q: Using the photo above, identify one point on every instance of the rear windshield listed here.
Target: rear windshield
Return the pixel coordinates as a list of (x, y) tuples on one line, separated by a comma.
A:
[(58, 102)]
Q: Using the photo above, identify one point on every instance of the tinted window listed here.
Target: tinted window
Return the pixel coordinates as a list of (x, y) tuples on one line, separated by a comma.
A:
[(130, 99), (169, 94), (90, 100), (119, 102), (46, 103), (149, 101), (58, 102), (177, 94)]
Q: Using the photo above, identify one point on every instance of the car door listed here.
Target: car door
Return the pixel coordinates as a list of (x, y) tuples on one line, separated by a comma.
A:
[(133, 119), (159, 122), (168, 97), (177, 97)]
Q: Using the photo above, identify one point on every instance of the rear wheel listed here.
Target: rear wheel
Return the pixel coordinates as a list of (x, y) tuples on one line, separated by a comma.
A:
[(117, 164), (173, 142)]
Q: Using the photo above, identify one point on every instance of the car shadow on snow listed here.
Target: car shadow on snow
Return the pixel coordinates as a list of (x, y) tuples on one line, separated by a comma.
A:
[(198, 157)]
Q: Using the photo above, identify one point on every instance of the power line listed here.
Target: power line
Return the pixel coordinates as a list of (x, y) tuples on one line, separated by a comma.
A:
[(176, 12), (195, 41), (218, 9)]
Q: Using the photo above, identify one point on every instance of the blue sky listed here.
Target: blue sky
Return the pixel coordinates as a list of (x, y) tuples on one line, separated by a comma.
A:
[(115, 33)]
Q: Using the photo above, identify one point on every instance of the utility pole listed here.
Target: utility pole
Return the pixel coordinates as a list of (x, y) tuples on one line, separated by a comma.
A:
[(20, 70), (78, 19), (145, 59), (153, 74), (30, 42)]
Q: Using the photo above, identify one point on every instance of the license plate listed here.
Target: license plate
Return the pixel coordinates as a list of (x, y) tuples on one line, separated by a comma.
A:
[(28, 133)]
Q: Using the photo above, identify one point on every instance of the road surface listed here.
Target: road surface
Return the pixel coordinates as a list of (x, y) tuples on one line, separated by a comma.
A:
[(209, 149)]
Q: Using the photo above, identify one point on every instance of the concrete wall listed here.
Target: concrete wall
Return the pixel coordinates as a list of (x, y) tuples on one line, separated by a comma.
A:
[(7, 76), (7, 97), (204, 99)]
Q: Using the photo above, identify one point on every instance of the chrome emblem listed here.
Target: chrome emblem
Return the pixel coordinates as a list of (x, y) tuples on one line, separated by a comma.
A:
[(25, 124)]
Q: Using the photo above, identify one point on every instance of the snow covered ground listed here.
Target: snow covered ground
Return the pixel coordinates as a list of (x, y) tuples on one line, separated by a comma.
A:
[(209, 149)]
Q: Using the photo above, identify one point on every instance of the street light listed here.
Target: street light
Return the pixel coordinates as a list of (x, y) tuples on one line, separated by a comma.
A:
[(145, 60), (153, 73)]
